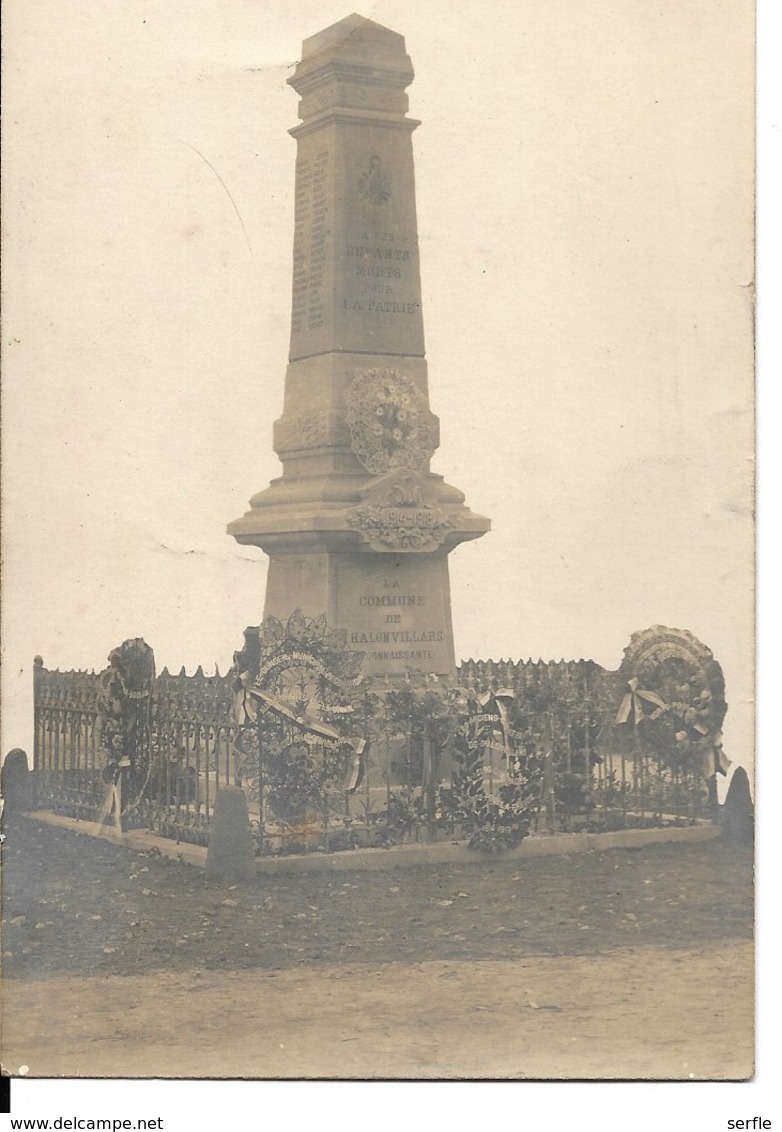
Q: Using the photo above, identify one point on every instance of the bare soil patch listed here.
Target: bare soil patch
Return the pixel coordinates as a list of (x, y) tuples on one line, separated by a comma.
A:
[(628, 963)]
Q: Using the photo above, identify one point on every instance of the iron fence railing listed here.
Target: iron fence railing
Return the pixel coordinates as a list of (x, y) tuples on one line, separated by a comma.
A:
[(191, 734), (563, 712), (67, 760)]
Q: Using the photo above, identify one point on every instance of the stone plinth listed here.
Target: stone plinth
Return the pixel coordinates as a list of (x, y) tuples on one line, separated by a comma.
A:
[(738, 813), (15, 784), (230, 855), (357, 526)]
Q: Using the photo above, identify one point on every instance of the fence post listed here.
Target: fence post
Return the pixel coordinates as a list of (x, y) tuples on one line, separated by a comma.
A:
[(430, 781), (261, 814), (38, 753)]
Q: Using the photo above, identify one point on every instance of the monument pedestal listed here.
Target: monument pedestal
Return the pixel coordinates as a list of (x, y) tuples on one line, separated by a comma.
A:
[(395, 609), (358, 527)]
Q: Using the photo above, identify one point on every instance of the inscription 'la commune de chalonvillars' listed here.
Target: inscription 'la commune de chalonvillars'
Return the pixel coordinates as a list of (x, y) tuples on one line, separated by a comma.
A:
[(357, 510)]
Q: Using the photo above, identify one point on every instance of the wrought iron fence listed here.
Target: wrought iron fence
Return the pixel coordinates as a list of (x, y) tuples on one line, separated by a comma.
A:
[(67, 761), (189, 751), (594, 774), (193, 732), (603, 777)]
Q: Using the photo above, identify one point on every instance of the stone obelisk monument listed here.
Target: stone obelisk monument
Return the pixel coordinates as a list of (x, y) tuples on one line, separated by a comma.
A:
[(357, 527)]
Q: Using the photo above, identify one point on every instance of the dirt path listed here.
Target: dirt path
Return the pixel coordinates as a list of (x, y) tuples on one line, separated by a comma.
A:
[(647, 1012), (622, 964)]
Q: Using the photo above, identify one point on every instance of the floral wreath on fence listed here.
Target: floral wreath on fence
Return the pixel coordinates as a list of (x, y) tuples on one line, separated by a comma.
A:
[(123, 723), (675, 700), (298, 690), (497, 815)]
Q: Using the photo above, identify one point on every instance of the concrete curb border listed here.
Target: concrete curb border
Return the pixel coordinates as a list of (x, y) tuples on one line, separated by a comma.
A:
[(397, 857)]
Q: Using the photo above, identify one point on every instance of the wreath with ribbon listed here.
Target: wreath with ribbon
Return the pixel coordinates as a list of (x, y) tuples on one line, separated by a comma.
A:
[(675, 700)]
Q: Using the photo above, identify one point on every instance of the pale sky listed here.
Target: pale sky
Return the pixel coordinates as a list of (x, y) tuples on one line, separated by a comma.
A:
[(584, 189)]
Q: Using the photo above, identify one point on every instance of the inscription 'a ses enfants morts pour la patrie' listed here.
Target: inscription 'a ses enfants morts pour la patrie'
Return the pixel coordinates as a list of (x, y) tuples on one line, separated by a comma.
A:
[(378, 276), (356, 279)]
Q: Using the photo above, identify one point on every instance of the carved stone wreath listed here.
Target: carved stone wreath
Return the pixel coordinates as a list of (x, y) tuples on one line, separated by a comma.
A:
[(389, 529), (400, 513), (390, 423)]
